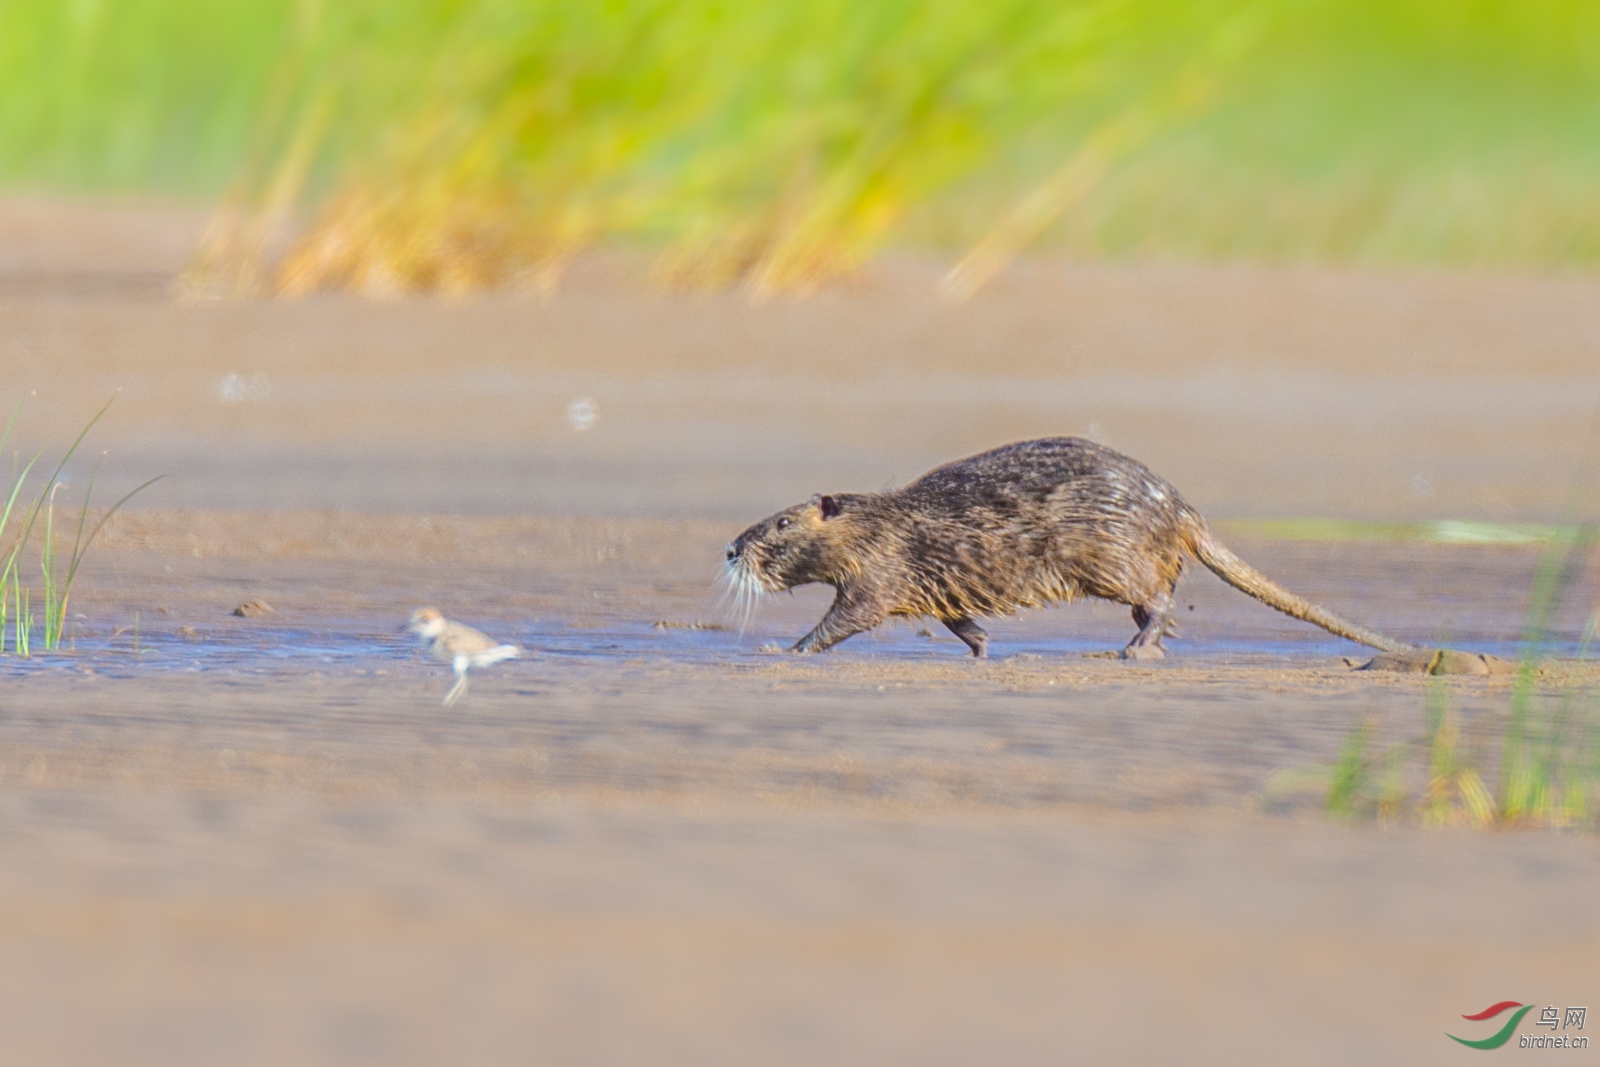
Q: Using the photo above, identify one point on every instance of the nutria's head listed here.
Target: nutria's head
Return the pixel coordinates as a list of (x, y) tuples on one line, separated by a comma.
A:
[(796, 546)]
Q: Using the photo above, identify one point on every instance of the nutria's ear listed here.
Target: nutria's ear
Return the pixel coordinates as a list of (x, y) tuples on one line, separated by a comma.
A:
[(830, 507)]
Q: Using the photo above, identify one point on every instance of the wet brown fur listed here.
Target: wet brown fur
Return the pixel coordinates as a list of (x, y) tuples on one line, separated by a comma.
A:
[(1022, 526)]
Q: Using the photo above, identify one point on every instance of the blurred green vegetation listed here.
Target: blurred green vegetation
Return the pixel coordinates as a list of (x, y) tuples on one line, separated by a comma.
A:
[(459, 143)]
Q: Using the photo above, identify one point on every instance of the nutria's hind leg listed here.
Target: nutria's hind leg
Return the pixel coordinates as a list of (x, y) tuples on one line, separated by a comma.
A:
[(1154, 620), (970, 632)]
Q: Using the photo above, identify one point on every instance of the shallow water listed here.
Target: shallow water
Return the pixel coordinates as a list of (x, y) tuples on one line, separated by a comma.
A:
[(555, 645)]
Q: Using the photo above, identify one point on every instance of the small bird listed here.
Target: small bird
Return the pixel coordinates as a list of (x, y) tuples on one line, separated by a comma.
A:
[(460, 646)]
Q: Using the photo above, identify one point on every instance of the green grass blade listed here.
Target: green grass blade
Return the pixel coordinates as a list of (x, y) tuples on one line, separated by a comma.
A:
[(1350, 773)]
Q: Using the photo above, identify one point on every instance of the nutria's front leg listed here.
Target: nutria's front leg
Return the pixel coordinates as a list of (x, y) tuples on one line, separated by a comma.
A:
[(970, 632), (848, 616)]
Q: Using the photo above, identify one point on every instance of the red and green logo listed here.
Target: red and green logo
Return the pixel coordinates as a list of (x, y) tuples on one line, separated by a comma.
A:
[(1503, 1035)]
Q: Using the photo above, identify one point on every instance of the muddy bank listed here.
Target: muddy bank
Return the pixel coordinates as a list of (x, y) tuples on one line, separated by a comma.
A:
[(276, 926), (1256, 392), (260, 839)]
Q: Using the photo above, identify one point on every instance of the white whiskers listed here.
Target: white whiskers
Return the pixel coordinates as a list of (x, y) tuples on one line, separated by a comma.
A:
[(742, 593)]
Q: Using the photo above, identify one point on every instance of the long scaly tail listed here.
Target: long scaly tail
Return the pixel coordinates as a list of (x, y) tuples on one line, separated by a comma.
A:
[(1245, 578)]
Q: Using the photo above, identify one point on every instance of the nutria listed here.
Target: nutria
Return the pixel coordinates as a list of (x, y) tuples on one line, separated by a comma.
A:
[(1020, 526)]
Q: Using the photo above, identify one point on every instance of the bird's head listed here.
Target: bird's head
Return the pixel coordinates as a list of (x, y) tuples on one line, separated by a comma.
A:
[(425, 623)]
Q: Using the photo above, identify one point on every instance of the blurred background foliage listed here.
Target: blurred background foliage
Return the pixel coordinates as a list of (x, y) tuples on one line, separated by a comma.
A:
[(394, 145)]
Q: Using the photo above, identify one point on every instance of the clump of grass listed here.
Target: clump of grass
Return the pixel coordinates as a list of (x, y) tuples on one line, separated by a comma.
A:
[(58, 571), (1549, 770), (1549, 761), (1455, 790), (1544, 775), (771, 146), (458, 144), (1548, 755)]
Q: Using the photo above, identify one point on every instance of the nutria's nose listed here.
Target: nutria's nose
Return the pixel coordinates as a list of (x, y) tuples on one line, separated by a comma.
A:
[(733, 551)]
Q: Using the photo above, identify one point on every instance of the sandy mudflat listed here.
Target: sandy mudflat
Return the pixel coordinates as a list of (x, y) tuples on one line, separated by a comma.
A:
[(232, 840)]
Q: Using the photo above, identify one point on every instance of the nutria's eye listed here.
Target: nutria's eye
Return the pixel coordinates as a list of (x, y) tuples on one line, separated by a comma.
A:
[(782, 523)]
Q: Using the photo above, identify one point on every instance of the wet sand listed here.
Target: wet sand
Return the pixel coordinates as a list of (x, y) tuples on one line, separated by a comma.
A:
[(262, 840)]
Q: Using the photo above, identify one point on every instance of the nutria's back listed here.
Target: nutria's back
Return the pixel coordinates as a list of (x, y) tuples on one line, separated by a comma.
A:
[(1048, 520), (1019, 526)]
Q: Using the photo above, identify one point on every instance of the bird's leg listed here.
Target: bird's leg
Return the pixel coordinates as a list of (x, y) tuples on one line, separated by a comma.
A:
[(460, 688), (1154, 619), (970, 632)]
